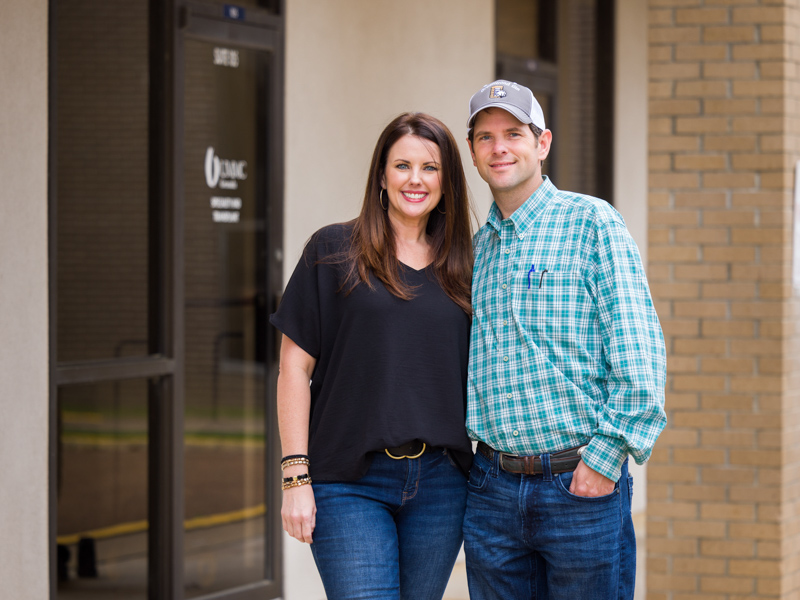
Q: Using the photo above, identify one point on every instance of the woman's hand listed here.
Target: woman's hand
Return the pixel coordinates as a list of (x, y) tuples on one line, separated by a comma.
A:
[(299, 512)]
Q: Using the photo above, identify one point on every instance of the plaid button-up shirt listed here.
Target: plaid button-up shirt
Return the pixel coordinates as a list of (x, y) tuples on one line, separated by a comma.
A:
[(566, 346)]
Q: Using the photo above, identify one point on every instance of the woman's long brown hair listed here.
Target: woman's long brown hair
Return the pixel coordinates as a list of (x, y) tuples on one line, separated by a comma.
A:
[(372, 247)]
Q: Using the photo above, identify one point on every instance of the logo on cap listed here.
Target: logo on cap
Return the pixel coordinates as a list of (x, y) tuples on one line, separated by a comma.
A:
[(497, 91)]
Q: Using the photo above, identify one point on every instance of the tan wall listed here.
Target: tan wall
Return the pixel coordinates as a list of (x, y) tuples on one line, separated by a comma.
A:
[(630, 148), (785, 38), (630, 119), (351, 67), (23, 300), (723, 127)]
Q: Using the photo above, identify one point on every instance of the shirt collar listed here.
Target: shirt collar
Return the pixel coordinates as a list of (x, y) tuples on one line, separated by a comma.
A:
[(523, 217)]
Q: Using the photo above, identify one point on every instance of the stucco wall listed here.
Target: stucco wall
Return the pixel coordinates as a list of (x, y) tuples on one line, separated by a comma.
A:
[(630, 119), (23, 300), (351, 67), (630, 148)]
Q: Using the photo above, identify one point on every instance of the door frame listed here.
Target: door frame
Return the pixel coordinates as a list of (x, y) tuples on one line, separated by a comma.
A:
[(169, 24)]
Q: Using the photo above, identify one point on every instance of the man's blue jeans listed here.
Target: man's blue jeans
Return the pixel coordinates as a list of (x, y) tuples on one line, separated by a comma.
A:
[(395, 533), (527, 536)]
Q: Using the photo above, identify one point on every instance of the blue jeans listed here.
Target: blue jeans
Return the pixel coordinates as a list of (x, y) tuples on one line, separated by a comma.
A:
[(527, 536), (395, 533)]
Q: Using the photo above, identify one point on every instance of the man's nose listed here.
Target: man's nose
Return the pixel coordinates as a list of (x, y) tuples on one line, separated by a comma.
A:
[(499, 147)]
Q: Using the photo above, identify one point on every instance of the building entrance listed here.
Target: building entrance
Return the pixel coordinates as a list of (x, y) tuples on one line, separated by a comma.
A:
[(166, 225)]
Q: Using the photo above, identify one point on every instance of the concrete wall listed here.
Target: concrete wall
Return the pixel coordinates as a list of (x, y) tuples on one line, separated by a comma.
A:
[(630, 119), (630, 148), (351, 67), (23, 300)]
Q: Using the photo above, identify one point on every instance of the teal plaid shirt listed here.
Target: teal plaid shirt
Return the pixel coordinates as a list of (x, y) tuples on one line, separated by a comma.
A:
[(566, 346)]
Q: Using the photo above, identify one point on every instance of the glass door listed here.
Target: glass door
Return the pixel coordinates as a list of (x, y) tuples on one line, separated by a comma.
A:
[(228, 74)]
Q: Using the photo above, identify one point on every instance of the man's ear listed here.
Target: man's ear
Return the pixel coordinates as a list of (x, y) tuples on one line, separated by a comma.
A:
[(545, 141)]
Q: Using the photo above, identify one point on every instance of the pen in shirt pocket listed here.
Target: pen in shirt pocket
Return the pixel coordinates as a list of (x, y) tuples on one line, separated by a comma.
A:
[(541, 278)]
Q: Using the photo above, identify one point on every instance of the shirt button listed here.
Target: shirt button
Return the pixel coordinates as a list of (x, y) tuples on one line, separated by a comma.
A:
[(504, 286), (508, 251), (505, 359), (508, 395), (515, 432), (505, 322)]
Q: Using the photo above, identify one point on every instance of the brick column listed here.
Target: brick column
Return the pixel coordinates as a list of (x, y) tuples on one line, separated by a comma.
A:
[(723, 494)]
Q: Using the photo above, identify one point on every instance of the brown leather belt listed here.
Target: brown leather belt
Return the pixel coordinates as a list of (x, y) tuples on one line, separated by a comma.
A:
[(564, 461)]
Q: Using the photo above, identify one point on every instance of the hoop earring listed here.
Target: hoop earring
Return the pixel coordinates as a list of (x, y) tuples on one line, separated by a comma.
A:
[(441, 212), (380, 199)]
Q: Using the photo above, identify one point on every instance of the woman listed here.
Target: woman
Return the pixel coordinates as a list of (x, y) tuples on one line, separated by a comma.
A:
[(376, 317)]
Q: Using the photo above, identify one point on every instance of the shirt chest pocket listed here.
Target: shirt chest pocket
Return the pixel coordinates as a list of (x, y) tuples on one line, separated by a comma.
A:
[(557, 306)]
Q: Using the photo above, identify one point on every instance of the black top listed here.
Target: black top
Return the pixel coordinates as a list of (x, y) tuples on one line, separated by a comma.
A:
[(388, 371)]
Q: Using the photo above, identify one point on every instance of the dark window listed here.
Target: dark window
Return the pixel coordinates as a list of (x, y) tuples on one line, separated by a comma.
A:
[(102, 179), (564, 52), (102, 488)]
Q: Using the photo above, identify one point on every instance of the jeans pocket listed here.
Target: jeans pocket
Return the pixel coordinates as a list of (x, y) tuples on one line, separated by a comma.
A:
[(478, 476), (564, 480)]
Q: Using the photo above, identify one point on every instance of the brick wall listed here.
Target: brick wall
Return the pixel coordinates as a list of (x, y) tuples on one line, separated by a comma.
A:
[(723, 492)]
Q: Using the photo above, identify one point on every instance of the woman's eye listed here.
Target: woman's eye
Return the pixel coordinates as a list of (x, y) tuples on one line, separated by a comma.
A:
[(402, 167), (431, 168)]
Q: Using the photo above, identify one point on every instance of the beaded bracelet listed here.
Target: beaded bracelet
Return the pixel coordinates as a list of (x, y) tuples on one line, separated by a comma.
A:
[(297, 483), (294, 461), (296, 478), (290, 456)]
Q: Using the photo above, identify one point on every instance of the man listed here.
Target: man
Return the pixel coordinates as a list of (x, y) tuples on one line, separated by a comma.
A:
[(566, 373)]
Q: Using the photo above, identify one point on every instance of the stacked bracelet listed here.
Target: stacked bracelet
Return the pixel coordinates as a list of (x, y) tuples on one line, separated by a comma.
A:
[(296, 478), (291, 456), (290, 461), (294, 459), (295, 481)]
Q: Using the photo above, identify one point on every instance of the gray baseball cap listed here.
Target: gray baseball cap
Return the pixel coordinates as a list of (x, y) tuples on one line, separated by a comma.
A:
[(510, 96)]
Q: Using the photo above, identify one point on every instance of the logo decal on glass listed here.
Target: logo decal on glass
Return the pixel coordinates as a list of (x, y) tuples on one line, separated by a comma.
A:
[(223, 172)]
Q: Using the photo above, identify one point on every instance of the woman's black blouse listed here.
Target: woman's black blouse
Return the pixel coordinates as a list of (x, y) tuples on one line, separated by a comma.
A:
[(388, 371)]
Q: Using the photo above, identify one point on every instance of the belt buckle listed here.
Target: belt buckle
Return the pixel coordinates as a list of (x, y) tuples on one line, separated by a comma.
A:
[(421, 452)]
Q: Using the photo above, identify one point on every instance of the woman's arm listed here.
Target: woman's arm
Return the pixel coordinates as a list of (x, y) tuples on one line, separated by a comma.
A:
[(294, 408)]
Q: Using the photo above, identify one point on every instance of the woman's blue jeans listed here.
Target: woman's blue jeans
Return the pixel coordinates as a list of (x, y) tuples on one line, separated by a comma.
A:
[(527, 536), (393, 534)]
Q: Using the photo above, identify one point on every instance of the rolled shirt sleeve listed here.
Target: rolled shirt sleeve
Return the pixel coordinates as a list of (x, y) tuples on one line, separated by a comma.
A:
[(633, 345)]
